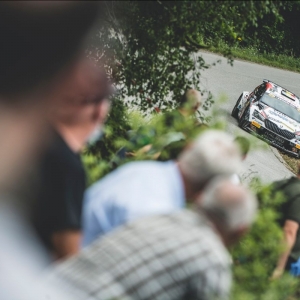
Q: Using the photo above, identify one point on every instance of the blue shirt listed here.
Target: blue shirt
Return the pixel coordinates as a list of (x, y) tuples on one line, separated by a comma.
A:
[(132, 191)]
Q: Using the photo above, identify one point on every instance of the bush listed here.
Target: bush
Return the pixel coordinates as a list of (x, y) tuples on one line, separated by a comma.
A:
[(255, 257)]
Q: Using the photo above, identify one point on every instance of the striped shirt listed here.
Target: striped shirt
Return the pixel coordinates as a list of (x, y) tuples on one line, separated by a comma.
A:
[(176, 256)]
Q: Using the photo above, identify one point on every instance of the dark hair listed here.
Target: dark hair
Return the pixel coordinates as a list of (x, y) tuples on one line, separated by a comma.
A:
[(38, 40), (243, 144)]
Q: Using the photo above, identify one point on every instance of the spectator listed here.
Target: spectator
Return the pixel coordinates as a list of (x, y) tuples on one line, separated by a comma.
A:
[(40, 42), (289, 221), (35, 58), (151, 187), (190, 102), (77, 119), (177, 256), (244, 146)]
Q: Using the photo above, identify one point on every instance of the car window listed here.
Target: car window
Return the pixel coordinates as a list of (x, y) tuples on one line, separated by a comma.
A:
[(281, 106)]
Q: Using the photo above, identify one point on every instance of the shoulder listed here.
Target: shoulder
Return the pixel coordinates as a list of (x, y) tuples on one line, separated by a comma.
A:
[(186, 229), (59, 154), (137, 170)]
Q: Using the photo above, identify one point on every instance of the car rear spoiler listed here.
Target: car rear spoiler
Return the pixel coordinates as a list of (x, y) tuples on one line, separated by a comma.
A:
[(267, 80)]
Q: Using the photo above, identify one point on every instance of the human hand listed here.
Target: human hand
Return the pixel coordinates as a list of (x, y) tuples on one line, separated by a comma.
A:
[(277, 273)]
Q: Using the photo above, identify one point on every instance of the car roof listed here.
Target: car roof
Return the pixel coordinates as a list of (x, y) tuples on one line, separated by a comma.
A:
[(277, 91)]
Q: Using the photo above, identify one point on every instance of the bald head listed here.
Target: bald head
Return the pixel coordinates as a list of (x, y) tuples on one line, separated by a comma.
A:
[(213, 153), (231, 206), (191, 99)]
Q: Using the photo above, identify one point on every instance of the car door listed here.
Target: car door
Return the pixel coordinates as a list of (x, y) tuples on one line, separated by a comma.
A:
[(254, 96)]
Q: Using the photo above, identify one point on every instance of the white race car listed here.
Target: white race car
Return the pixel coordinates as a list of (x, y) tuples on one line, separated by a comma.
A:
[(273, 113)]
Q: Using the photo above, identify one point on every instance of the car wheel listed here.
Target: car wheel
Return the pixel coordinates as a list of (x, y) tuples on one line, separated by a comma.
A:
[(235, 110), (244, 121)]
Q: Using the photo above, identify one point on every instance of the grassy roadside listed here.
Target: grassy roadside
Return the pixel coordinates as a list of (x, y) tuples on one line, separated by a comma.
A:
[(292, 162), (278, 61), (281, 61)]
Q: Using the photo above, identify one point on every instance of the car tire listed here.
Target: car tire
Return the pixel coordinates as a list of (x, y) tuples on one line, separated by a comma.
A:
[(244, 121), (235, 110)]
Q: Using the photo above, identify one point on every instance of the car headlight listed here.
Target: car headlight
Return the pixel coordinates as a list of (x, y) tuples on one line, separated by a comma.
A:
[(258, 115), (297, 135)]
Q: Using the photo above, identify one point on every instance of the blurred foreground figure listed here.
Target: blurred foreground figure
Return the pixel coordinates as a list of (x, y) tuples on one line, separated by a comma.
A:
[(289, 221), (40, 42), (145, 188), (177, 256), (190, 102), (244, 145), (77, 118)]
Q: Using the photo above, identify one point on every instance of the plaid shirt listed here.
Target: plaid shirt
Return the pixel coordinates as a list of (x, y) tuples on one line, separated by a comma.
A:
[(172, 257)]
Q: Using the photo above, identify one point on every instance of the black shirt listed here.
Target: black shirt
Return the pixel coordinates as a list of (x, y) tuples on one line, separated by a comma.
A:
[(60, 196), (290, 208)]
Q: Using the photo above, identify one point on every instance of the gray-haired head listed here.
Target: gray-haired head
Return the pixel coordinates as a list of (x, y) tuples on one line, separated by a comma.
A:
[(213, 153), (231, 207)]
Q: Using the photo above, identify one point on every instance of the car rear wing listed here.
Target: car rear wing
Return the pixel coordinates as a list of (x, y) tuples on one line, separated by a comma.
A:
[(285, 91)]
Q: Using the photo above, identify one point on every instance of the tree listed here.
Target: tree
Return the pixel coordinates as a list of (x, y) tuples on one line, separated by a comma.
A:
[(150, 49), (151, 46)]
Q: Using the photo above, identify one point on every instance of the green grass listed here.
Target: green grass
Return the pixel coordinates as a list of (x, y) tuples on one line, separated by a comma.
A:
[(292, 162), (282, 61)]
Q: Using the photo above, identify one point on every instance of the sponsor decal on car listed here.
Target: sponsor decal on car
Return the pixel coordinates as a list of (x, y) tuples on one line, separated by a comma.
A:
[(255, 124)]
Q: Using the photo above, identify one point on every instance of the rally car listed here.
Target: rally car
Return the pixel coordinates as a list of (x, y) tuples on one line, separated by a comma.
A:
[(273, 113)]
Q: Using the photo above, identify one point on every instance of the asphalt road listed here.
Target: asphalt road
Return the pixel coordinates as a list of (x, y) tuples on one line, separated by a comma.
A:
[(224, 79)]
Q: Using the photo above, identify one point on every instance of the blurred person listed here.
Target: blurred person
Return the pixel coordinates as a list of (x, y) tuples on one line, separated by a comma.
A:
[(41, 42), (77, 119), (190, 102), (172, 256), (144, 188), (289, 221), (244, 145)]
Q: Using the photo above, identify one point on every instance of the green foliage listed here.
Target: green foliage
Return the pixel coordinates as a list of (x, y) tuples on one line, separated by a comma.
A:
[(148, 47), (166, 134), (97, 158), (273, 33), (256, 255), (116, 127)]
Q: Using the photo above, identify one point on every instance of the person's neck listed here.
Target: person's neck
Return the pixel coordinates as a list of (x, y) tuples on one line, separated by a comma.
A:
[(218, 228), (74, 137), (188, 190)]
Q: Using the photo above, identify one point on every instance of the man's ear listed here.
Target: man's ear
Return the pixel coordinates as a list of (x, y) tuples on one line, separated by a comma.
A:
[(188, 146), (104, 108), (235, 236)]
